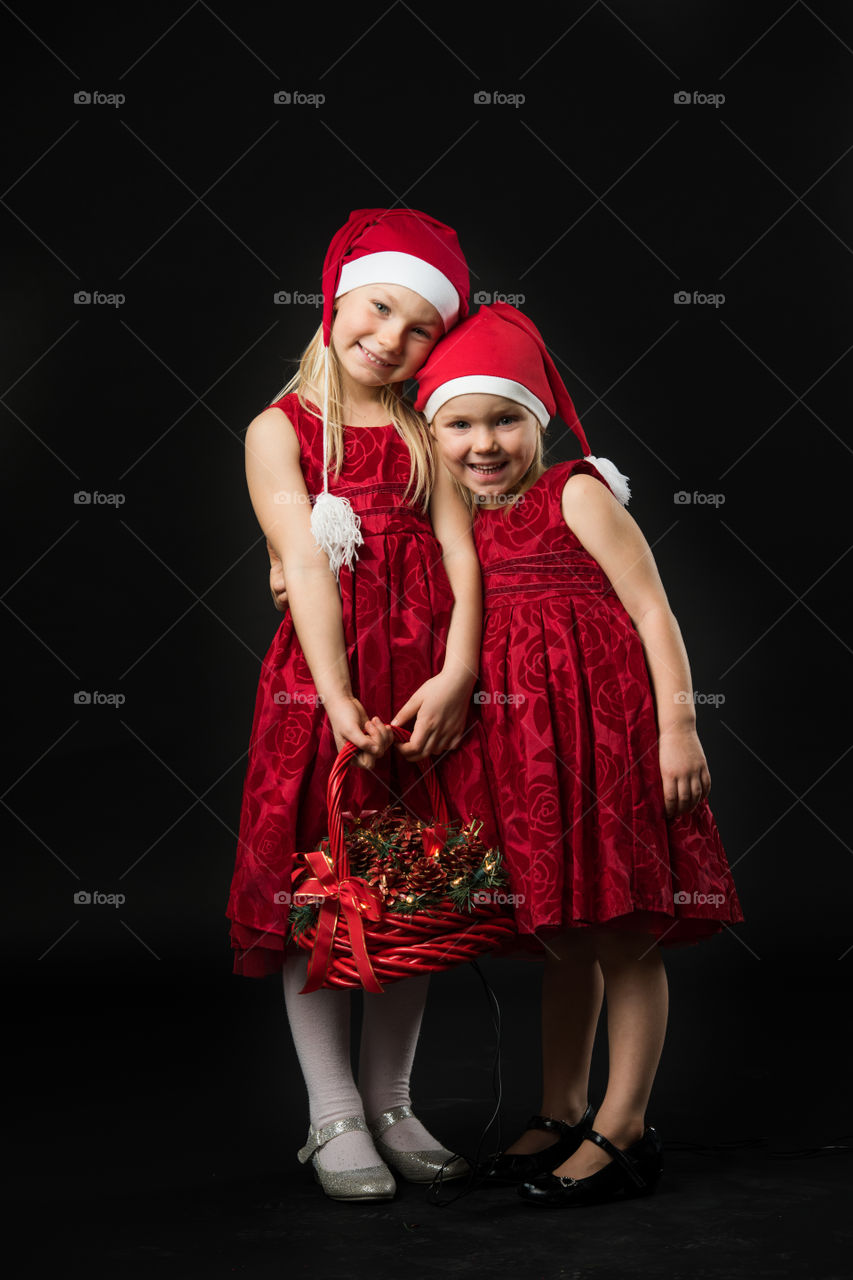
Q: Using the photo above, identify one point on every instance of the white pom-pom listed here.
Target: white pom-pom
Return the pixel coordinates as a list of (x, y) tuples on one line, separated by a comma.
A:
[(614, 477), (336, 530)]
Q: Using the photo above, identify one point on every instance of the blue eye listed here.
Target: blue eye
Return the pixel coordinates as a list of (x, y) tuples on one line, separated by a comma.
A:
[(507, 417), (381, 306)]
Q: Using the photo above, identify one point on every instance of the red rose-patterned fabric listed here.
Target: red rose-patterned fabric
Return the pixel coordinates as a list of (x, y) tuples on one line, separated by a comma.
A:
[(396, 605), (569, 715)]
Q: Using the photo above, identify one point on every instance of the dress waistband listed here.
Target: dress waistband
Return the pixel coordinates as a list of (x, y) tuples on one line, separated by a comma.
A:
[(550, 573), (379, 515)]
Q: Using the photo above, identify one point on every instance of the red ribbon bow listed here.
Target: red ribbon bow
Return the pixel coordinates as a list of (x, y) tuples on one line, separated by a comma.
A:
[(357, 899)]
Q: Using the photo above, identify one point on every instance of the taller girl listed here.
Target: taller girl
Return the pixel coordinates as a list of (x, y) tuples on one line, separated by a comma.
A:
[(385, 602)]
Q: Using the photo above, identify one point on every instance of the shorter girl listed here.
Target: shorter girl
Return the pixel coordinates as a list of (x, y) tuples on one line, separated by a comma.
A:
[(599, 778)]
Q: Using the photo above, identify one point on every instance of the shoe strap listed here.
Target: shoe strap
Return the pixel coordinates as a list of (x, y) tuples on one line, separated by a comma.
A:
[(620, 1157), (384, 1121), (560, 1127), (318, 1138)]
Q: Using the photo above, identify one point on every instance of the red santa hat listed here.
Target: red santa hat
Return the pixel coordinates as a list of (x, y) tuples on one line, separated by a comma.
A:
[(499, 351), (382, 246)]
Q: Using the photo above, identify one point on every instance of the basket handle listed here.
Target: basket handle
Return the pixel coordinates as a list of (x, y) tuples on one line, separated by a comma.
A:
[(337, 848)]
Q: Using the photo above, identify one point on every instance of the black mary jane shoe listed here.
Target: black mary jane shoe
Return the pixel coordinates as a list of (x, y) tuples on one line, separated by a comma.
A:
[(505, 1170), (633, 1172)]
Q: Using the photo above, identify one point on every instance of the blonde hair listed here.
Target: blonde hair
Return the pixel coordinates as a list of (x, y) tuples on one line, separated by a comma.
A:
[(536, 469), (411, 426)]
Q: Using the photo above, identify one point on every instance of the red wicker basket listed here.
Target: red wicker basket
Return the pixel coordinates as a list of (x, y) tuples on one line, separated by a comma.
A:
[(355, 941)]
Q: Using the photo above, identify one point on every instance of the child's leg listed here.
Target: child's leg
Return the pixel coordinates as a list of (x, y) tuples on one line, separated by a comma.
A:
[(320, 1025), (389, 1037), (637, 1006), (572, 989)]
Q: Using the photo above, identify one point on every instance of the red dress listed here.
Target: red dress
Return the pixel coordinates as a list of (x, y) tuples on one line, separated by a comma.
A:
[(569, 714), (396, 605)]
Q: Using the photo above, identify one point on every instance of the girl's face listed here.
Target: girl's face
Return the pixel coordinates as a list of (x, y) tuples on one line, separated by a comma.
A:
[(487, 442), (383, 333)]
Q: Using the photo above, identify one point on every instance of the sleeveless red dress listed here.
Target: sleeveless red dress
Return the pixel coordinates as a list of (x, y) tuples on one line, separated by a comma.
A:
[(396, 605), (569, 714)]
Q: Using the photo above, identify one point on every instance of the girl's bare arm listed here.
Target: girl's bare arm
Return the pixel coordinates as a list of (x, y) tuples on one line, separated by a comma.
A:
[(615, 540), (442, 703), (282, 505)]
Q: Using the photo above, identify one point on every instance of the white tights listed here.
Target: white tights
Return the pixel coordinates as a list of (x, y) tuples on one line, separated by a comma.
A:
[(320, 1025)]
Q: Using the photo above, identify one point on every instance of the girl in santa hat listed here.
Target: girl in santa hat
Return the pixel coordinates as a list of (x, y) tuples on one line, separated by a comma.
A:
[(385, 613), (599, 778)]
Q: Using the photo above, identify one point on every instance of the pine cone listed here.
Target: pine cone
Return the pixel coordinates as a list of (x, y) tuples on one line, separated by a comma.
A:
[(426, 875)]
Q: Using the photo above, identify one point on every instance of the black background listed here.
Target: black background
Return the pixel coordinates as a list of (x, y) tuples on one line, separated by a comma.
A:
[(145, 1063)]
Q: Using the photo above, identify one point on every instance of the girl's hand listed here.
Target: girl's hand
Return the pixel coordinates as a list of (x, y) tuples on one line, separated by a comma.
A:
[(277, 588), (683, 768), (350, 723), (441, 706)]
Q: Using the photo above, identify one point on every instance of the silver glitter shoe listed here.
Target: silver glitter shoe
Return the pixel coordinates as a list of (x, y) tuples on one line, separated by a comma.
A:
[(415, 1166), (375, 1183)]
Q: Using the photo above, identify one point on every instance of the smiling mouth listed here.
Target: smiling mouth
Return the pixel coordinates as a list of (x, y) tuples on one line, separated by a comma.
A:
[(486, 469), (372, 359)]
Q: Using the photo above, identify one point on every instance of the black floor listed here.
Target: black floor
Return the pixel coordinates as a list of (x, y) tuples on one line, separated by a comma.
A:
[(154, 1131)]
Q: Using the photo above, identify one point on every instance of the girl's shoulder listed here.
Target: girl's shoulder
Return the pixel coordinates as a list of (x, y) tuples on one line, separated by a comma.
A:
[(290, 405), (305, 423), (556, 477)]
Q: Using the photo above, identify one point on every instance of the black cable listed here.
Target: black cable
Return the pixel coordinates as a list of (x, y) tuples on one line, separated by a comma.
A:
[(476, 1175)]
